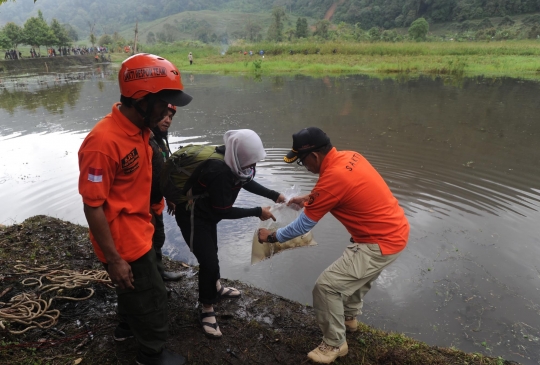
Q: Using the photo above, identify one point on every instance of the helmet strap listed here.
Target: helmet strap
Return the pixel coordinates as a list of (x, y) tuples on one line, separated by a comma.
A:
[(146, 115)]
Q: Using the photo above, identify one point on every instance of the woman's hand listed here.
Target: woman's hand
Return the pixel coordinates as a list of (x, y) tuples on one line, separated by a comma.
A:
[(171, 207), (266, 214), (281, 199)]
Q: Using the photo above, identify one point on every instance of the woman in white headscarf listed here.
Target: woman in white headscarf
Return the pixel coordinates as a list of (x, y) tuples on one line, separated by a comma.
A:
[(218, 183)]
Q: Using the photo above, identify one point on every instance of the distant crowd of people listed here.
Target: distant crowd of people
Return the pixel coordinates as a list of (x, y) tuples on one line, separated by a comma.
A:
[(261, 53), (66, 51), (14, 54), (100, 57)]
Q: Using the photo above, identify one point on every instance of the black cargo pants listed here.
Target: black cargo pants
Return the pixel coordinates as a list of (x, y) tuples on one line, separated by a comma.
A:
[(144, 308), (158, 240)]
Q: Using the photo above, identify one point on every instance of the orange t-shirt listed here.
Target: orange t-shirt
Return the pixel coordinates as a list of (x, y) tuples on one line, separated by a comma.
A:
[(115, 165), (354, 192)]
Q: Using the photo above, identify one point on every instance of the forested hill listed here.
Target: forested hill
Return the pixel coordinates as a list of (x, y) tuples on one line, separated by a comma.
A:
[(110, 15), (401, 13), (114, 13)]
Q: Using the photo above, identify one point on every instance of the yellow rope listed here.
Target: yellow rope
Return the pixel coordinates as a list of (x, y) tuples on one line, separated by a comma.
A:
[(33, 311), (23, 269), (29, 310)]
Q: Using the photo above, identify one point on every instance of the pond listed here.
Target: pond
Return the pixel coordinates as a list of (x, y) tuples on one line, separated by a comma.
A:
[(461, 156)]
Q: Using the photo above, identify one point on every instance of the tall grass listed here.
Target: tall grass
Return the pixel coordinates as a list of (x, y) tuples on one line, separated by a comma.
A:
[(500, 48), (200, 50), (507, 58), (497, 48)]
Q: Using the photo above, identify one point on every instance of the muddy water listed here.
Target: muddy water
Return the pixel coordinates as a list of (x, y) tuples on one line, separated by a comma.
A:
[(462, 158)]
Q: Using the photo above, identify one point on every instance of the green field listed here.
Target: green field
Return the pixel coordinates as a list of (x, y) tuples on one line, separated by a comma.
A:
[(509, 58)]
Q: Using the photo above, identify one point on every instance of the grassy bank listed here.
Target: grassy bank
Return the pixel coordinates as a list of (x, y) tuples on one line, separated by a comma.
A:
[(509, 58), (259, 328)]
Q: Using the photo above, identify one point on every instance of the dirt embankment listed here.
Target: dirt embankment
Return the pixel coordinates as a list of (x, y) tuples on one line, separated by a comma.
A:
[(45, 64), (259, 328), (332, 9)]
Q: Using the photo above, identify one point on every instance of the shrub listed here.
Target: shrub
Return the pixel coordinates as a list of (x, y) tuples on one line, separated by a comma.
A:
[(105, 39), (506, 22), (467, 26), (374, 34), (534, 32), (485, 23), (485, 34), (531, 19), (419, 29), (389, 36)]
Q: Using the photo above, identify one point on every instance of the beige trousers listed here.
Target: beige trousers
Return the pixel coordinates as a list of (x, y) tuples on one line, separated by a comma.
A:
[(340, 289)]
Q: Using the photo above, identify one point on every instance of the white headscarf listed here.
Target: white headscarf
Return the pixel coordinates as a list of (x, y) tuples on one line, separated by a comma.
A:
[(243, 148)]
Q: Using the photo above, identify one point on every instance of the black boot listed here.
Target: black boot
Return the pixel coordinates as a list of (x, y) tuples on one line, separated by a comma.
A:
[(171, 276), (166, 357), (122, 332)]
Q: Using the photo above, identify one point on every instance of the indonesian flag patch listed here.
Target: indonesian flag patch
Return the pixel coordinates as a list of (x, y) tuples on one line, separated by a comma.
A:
[(95, 175)]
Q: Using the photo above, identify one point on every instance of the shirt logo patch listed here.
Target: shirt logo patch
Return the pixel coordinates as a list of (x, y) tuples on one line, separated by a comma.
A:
[(95, 175), (130, 162), (312, 198)]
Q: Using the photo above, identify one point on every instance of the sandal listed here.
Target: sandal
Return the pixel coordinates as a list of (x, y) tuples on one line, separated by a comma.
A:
[(230, 293), (214, 334)]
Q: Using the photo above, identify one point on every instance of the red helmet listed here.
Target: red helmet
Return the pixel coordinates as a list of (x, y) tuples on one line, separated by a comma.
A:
[(145, 73)]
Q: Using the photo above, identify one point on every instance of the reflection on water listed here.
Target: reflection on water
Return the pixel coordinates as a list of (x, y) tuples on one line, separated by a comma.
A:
[(461, 157), (51, 91), (53, 99)]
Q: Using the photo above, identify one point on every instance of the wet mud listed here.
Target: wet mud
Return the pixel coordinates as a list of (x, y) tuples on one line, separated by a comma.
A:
[(258, 328)]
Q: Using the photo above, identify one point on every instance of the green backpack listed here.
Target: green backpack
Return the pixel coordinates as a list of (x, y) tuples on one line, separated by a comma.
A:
[(180, 171)]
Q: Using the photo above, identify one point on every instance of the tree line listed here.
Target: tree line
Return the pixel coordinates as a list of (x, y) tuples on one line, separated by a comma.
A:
[(280, 29), (36, 33), (385, 14), (389, 14), (343, 31), (253, 32)]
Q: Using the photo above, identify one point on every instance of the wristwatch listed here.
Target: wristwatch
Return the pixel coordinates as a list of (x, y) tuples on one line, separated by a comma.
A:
[(272, 238)]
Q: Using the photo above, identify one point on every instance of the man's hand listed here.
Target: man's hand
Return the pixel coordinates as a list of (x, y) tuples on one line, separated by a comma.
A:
[(119, 270), (171, 207), (120, 274), (263, 235), (297, 203), (266, 214), (299, 200), (281, 199)]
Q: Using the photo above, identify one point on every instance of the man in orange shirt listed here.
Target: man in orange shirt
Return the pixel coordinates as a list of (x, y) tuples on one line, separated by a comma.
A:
[(115, 164), (352, 191)]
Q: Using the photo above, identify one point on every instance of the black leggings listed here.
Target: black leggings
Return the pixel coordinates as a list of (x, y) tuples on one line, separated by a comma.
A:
[(205, 250)]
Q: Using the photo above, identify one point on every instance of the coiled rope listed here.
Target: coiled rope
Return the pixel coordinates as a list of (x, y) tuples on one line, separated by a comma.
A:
[(31, 310)]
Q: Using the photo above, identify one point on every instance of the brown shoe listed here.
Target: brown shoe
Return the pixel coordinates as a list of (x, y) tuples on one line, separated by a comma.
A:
[(326, 354), (351, 324)]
